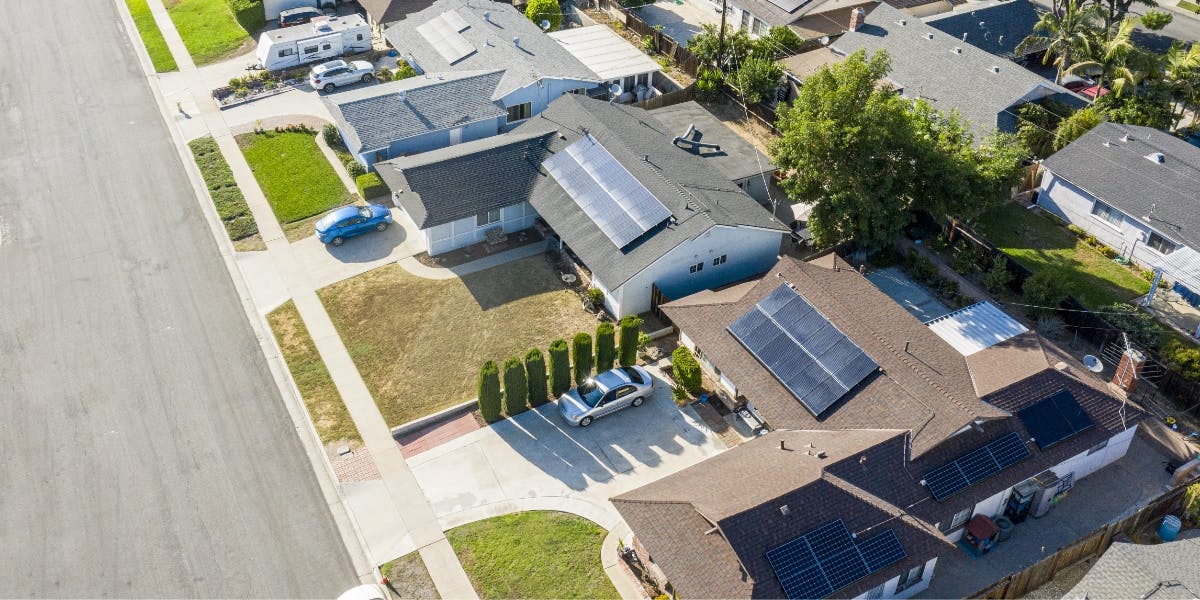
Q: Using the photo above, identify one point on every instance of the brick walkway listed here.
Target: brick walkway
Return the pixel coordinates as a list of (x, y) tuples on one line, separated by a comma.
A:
[(356, 467), (419, 441)]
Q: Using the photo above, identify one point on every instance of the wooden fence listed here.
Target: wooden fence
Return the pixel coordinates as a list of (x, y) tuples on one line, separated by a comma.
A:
[(663, 43), (1019, 584), (669, 98)]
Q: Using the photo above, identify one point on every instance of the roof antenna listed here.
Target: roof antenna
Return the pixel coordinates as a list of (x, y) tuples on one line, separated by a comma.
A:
[(906, 347)]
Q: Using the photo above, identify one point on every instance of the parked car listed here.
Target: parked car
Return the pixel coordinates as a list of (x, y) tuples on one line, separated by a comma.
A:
[(1084, 87), (605, 394), (329, 75), (298, 16), (349, 221)]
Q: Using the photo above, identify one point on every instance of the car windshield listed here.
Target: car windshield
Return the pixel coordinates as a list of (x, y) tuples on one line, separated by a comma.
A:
[(590, 393), (633, 374)]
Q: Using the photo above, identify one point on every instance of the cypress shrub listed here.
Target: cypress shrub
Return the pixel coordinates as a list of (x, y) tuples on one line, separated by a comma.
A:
[(560, 368), (535, 375), (686, 369), (606, 350), (489, 391), (630, 326), (516, 388), (581, 353)]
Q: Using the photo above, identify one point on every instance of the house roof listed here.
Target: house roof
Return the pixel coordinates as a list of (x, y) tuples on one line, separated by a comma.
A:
[(736, 158), (926, 389), (976, 327), (1162, 196), (742, 493), (1128, 570), (1022, 356), (442, 186), (697, 196), (950, 74), (997, 28), (490, 45), (373, 117), (387, 11), (606, 53)]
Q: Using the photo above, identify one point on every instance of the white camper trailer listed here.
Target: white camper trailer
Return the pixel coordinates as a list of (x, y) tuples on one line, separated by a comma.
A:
[(321, 39)]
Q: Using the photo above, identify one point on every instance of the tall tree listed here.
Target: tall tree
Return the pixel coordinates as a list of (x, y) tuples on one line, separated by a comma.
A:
[(535, 374), (1079, 123), (488, 389), (1181, 71), (544, 10), (1113, 11), (516, 386), (1113, 58), (1062, 34)]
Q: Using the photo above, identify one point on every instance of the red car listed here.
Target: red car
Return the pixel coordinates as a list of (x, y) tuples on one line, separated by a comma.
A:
[(1085, 88)]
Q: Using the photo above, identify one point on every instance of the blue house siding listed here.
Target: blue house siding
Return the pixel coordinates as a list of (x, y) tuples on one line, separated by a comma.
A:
[(542, 92), (431, 141)]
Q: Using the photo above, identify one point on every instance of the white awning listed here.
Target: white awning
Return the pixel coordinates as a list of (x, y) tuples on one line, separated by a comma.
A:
[(606, 53), (976, 327)]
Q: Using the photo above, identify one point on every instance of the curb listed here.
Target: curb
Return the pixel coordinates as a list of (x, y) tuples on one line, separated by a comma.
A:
[(435, 418)]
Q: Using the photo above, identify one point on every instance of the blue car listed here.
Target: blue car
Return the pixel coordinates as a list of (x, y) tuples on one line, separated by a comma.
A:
[(349, 221)]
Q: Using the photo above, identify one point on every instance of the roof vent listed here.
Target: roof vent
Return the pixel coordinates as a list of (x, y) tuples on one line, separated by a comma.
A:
[(1107, 144), (1000, 41), (964, 36), (517, 41), (1157, 157), (1125, 138), (487, 16), (957, 50), (982, 24), (928, 36), (902, 22), (785, 510), (401, 96), (995, 68)]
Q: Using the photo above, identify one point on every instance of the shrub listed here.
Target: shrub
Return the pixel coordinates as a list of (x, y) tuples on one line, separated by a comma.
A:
[(331, 135), (581, 353), (535, 376), (998, 275), (516, 387), (947, 287), (967, 261), (544, 10), (1043, 292), (920, 267), (1107, 252), (606, 350), (596, 297), (631, 340), (686, 370), (560, 368), (780, 41), (1050, 325), (1191, 502), (354, 168), (370, 185), (1154, 20), (708, 84), (489, 391), (648, 43), (1077, 230), (384, 74), (403, 71), (757, 79)]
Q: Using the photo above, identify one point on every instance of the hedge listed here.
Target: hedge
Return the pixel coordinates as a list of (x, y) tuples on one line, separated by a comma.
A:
[(606, 350), (560, 368), (631, 328), (370, 185), (516, 388), (535, 376), (686, 369), (489, 391), (581, 353)]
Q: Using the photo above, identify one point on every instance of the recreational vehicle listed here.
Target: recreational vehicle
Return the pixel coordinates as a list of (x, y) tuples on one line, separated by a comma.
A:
[(321, 39)]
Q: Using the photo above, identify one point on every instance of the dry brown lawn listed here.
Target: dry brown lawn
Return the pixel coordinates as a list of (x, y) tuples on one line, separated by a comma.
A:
[(419, 343)]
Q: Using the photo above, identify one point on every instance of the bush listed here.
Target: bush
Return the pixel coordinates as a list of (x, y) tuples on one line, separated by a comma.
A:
[(1044, 293), (581, 353), (1049, 325), (948, 288), (1138, 323), (560, 368), (331, 135), (1155, 20), (1191, 503), (354, 168), (686, 370), (1077, 230), (516, 387), (403, 71), (920, 267), (535, 376), (998, 275), (544, 10), (370, 185), (489, 391), (606, 350), (757, 79), (780, 41), (1107, 252), (648, 43), (708, 84), (630, 326), (384, 74), (967, 261), (596, 297)]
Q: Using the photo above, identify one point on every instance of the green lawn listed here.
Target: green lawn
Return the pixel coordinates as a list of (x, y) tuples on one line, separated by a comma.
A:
[(214, 30), (231, 205), (1184, 4), (1038, 242), (152, 38), (294, 175), (537, 554)]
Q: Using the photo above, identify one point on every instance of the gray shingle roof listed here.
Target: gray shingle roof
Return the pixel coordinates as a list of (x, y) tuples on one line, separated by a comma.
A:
[(932, 69), (1120, 174), (1004, 25), (387, 11), (372, 117), (539, 55), (453, 183), (736, 158), (698, 196), (1128, 570)]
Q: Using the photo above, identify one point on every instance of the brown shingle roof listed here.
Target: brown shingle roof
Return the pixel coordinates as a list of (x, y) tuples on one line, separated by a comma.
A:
[(1021, 356)]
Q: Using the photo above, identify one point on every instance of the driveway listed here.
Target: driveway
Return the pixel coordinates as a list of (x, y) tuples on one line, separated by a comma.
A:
[(681, 21), (537, 456), (326, 264)]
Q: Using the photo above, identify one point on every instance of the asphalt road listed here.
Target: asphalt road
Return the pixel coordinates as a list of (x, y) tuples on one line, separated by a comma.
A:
[(144, 449)]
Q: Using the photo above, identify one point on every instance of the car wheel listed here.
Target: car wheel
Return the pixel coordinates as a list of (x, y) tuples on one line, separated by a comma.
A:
[(337, 241), (381, 227), (328, 87), (367, 77), (637, 401), (584, 422)]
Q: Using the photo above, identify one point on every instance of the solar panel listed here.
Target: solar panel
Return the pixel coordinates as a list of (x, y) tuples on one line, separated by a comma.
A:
[(806, 352), (443, 35), (606, 191), (455, 21), (827, 559), (1055, 419), (975, 466), (789, 5)]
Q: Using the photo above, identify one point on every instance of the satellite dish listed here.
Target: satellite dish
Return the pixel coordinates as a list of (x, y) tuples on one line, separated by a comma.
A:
[(545, 24), (1093, 364), (824, 40)]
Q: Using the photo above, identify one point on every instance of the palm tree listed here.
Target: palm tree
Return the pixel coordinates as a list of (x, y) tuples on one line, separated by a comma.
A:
[(1062, 36), (1114, 57), (1181, 70)]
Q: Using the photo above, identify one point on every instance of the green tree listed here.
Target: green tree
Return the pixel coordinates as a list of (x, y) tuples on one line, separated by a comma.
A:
[(544, 10), (708, 84), (1113, 57), (998, 275), (488, 388), (631, 331), (516, 387), (560, 368), (403, 71), (581, 353), (1149, 106), (1060, 34), (1155, 20), (686, 370), (705, 46), (606, 349), (1112, 11), (535, 374), (779, 42), (1043, 292), (1037, 122), (1079, 123), (1181, 73), (756, 79)]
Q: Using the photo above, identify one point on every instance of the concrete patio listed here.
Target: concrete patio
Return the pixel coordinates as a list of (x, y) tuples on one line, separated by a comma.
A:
[(680, 21)]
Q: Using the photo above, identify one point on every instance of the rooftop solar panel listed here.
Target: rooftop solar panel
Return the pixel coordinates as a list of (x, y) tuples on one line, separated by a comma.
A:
[(789, 5), (806, 352), (606, 191), (446, 39), (827, 559), (455, 21), (975, 466), (1055, 419)]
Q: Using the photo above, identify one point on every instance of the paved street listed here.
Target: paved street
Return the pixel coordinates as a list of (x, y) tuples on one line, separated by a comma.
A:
[(145, 449)]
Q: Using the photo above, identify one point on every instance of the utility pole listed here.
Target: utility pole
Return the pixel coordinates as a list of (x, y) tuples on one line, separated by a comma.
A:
[(721, 34)]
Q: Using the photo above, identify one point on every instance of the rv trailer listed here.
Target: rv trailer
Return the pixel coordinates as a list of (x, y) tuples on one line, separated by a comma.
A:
[(322, 39)]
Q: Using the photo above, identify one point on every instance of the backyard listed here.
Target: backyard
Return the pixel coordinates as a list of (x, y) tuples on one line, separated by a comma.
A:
[(538, 554), (214, 30), (297, 179), (419, 343), (1039, 243), (152, 37)]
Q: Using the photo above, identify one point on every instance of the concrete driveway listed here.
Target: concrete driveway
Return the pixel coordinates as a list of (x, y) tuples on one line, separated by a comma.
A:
[(326, 264), (537, 456)]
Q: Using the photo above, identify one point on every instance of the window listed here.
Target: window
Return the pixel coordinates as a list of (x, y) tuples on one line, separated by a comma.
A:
[(720, 260), (1097, 447), (487, 218), (911, 577), (744, 24), (760, 28), (326, 46), (359, 37), (625, 391), (696, 268), (960, 518), (1160, 244), (578, 91), (310, 50), (286, 52), (876, 592), (1107, 214), (519, 112)]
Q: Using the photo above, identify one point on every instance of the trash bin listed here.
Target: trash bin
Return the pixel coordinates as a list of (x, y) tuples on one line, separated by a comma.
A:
[(1169, 528), (1006, 527)]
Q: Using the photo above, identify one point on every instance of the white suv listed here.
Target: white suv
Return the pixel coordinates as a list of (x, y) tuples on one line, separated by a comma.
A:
[(327, 76)]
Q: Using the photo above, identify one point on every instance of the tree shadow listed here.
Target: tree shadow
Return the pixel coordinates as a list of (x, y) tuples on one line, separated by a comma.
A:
[(512, 281)]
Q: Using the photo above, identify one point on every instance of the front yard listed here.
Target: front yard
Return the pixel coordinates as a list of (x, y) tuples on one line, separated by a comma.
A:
[(297, 179), (419, 343), (539, 554), (1040, 243), (214, 30)]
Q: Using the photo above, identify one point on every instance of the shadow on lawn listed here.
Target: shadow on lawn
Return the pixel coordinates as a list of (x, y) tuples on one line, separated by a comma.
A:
[(511, 281)]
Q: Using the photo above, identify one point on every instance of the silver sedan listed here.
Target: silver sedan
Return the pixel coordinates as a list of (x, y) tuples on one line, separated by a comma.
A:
[(605, 394)]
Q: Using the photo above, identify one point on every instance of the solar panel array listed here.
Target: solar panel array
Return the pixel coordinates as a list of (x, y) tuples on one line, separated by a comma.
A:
[(971, 468), (807, 353), (1055, 419), (607, 192), (789, 5), (443, 32), (827, 559)]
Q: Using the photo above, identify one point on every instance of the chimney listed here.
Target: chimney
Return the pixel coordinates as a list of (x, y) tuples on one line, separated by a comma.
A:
[(857, 17), (1128, 370)]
